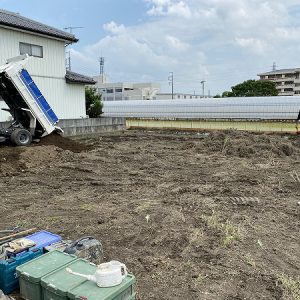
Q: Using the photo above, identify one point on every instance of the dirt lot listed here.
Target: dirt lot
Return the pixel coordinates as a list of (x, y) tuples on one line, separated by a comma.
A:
[(193, 216)]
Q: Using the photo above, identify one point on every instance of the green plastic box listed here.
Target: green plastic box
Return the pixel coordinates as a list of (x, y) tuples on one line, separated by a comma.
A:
[(55, 286), (90, 291), (30, 273)]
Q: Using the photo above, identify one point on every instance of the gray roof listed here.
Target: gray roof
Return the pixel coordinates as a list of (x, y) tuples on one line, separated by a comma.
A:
[(281, 71), (16, 21), (72, 77)]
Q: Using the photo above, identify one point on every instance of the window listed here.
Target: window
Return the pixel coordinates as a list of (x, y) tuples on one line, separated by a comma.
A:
[(119, 90), (32, 50), (109, 91)]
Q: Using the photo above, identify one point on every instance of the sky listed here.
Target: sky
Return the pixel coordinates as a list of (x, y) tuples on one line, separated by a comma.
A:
[(222, 42)]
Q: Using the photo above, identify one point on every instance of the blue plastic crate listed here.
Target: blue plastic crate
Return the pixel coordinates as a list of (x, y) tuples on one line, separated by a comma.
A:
[(8, 276), (43, 238)]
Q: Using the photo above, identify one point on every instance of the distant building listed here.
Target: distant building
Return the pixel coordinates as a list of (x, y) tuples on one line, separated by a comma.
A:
[(287, 81), (127, 91), (136, 91), (178, 96)]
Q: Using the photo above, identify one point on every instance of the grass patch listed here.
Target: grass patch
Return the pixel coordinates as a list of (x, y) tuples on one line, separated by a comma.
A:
[(290, 286), (229, 231)]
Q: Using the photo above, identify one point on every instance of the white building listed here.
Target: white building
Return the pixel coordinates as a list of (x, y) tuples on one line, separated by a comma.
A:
[(287, 81), (126, 91), (64, 90), (178, 96), (136, 91)]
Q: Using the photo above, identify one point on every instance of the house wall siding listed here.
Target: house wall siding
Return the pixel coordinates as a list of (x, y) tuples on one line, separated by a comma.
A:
[(67, 100)]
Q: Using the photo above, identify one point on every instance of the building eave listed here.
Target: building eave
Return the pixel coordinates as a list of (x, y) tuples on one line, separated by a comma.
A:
[(76, 78)]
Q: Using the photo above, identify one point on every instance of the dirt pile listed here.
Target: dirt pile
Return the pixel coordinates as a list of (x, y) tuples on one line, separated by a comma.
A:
[(239, 144), (49, 151), (63, 143)]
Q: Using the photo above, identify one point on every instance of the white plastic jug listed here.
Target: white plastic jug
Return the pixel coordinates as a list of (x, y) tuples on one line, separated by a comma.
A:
[(107, 274)]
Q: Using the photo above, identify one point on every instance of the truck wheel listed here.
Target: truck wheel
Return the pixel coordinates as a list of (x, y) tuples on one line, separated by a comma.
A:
[(21, 137)]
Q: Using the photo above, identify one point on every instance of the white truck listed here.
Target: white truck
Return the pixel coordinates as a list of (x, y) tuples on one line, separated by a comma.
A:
[(33, 118)]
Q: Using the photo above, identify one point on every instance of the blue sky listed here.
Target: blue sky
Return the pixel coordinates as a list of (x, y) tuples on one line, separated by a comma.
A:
[(220, 41)]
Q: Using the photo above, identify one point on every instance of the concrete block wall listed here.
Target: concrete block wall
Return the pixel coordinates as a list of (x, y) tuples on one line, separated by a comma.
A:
[(85, 126), (73, 127)]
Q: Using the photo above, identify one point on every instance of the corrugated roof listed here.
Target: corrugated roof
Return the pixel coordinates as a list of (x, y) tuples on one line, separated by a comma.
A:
[(72, 77), (281, 71), (17, 21)]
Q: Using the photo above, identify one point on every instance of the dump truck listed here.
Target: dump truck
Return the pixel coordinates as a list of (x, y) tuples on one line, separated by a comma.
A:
[(33, 117)]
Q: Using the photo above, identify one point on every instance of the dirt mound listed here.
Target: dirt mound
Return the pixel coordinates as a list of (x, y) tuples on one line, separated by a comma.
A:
[(243, 144), (9, 157), (63, 143)]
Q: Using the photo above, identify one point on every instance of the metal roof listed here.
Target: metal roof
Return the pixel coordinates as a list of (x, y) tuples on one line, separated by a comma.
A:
[(281, 71), (250, 108), (72, 77), (15, 20)]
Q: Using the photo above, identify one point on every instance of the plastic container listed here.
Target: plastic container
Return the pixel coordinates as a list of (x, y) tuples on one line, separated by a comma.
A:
[(43, 238), (89, 290), (55, 286), (8, 277), (62, 245), (30, 274)]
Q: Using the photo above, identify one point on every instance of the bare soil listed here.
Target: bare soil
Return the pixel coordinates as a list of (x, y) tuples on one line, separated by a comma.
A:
[(193, 216)]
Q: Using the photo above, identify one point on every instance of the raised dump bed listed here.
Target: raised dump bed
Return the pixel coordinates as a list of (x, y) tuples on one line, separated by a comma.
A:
[(32, 114)]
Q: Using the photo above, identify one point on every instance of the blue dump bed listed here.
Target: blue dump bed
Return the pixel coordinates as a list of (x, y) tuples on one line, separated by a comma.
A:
[(39, 98)]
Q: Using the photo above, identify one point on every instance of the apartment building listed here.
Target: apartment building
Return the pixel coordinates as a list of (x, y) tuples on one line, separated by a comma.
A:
[(287, 80)]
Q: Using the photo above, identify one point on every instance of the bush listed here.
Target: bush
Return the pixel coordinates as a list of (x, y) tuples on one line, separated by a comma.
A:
[(93, 103)]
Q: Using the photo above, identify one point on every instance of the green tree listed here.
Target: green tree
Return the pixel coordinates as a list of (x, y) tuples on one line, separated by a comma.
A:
[(93, 102), (227, 94), (253, 88)]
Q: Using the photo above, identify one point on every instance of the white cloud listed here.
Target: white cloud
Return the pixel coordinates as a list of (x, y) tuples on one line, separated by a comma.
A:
[(221, 41), (114, 28), (252, 44), (176, 44), (169, 7)]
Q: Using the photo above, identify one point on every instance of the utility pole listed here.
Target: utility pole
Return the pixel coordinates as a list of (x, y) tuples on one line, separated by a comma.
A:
[(203, 83), (68, 53), (171, 82), (101, 63)]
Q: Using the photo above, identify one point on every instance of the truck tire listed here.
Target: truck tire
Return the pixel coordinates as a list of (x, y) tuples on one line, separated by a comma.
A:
[(21, 137)]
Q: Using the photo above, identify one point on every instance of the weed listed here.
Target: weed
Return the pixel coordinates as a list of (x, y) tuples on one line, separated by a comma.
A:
[(226, 141), (250, 261), (229, 231), (291, 286)]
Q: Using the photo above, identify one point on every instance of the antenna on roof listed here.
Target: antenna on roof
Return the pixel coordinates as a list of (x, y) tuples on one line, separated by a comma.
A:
[(274, 67), (70, 28), (68, 53)]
